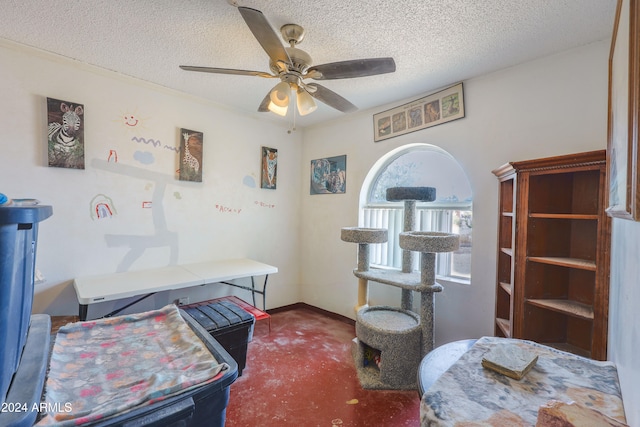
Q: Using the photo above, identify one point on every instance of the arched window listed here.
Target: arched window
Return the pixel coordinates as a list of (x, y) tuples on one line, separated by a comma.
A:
[(420, 165)]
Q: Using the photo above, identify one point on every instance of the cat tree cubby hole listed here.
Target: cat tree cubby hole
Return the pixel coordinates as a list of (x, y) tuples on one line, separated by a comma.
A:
[(395, 335)]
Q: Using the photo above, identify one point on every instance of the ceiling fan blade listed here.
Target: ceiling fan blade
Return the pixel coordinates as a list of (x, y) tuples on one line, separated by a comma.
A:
[(331, 98), (353, 68), (264, 105), (227, 71), (265, 34)]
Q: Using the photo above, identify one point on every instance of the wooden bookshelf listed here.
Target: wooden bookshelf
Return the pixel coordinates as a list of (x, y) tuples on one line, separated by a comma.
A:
[(505, 268), (554, 274)]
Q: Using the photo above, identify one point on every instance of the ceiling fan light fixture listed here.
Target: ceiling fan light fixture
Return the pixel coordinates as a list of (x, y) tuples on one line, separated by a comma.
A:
[(281, 94), (281, 111), (305, 102)]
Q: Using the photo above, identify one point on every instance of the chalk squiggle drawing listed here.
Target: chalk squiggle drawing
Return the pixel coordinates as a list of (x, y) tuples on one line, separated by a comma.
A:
[(155, 142), (147, 141)]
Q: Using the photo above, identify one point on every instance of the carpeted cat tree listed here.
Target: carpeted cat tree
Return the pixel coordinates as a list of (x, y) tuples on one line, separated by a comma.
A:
[(391, 341)]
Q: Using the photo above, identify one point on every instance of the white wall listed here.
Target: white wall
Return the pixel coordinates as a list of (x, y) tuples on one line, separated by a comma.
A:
[(73, 244), (552, 106), (624, 322)]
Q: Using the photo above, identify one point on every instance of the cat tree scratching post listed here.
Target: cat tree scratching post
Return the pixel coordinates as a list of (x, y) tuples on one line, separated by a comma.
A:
[(401, 337), (409, 195), (363, 237), (428, 244), (398, 336)]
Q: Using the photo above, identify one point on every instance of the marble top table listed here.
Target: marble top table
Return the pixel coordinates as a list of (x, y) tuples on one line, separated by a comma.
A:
[(469, 393)]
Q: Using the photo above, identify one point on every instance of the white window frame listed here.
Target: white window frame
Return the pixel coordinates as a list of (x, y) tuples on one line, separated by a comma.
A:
[(430, 216)]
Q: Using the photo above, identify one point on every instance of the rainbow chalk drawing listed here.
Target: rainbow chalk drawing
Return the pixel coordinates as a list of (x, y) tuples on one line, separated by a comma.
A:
[(101, 207)]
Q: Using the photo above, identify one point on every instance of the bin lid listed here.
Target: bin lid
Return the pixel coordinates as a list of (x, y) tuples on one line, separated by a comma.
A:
[(24, 214), (219, 314)]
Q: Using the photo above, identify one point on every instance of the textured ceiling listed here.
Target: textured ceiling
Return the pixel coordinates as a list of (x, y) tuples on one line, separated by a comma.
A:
[(435, 43)]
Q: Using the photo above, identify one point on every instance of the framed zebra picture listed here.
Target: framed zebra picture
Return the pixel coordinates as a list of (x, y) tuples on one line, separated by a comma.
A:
[(269, 168), (65, 141), (190, 155)]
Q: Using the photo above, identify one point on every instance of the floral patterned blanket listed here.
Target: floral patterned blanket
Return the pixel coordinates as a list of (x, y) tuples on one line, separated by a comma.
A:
[(468, 395), (109, 366)]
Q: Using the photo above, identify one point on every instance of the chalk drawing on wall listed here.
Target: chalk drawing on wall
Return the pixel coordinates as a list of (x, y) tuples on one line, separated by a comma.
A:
[(228, 209), (65, 142), (249, 181), (147, 141), (265, 204), (113, 156), (144, 157), (190, 155), (161, 236), (101, 206), (155, 143), (131, 120)]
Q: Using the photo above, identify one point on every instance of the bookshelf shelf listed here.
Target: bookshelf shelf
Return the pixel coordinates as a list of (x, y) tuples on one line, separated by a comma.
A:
[(571, 308)]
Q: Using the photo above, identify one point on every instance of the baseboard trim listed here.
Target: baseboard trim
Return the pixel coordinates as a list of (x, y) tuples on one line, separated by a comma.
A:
[(305, 306)]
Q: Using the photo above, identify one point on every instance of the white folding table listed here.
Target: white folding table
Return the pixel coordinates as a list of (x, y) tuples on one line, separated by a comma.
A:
[(109, 287)]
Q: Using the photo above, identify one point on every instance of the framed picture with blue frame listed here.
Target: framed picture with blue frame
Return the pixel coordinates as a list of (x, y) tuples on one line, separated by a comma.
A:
[(329, 175)]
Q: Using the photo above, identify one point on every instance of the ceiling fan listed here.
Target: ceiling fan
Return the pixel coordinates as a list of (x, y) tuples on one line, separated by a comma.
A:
[(293, 65)]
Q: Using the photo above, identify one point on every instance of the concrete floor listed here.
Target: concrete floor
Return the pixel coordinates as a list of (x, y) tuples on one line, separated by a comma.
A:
[(303, 374)]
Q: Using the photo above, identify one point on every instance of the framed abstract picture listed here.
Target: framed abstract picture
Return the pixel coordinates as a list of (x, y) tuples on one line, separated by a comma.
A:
[(329, 175), (65, 142), (190, 155), (269, 168)]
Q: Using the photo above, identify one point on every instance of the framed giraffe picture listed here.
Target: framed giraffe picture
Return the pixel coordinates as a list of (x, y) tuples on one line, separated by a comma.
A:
[(190, 155), (65, 142), (269, 168)]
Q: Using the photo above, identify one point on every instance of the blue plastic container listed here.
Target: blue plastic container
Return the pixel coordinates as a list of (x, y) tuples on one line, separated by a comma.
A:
[(18, 238), (22, 372)]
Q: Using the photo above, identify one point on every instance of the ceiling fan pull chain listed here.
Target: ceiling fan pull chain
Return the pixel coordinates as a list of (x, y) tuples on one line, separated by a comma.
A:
[(293, 128)]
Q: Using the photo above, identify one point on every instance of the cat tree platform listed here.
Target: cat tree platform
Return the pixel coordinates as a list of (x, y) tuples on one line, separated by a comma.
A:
[(363, 237)]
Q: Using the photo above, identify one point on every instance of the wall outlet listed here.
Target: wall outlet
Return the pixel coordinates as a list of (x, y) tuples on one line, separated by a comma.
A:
[(183, 300)]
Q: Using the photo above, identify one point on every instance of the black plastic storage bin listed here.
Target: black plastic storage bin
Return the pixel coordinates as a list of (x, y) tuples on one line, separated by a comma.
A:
[(203, 406), (228, 324)]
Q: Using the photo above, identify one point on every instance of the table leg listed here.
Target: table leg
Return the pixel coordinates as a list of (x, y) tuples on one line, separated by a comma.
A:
[(264, 295)]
